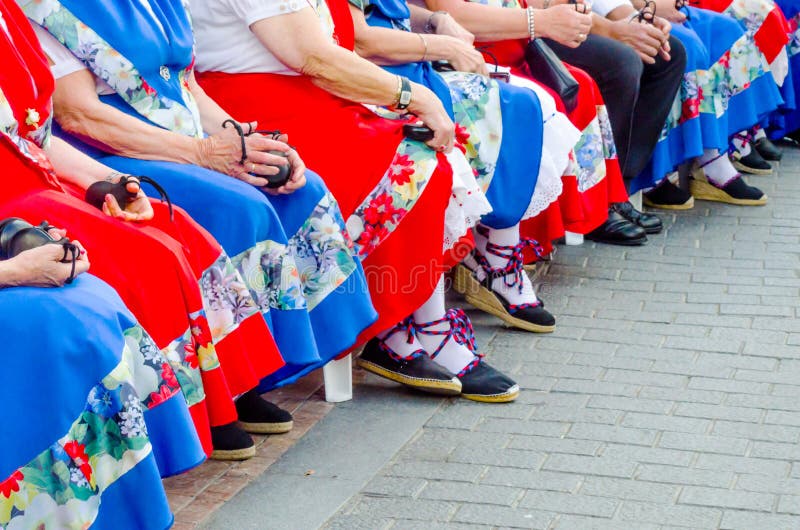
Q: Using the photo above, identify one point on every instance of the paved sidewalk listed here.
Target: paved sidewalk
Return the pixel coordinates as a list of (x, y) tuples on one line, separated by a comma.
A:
[(668, 397)]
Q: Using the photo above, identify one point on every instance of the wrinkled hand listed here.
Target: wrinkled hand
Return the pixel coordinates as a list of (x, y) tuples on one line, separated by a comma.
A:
[(137, 210), (564, 24), (646, 39), (298, 177), (461, 56), (665, 27), (667, 10), (447, 25), (42, 267), (428, 108)]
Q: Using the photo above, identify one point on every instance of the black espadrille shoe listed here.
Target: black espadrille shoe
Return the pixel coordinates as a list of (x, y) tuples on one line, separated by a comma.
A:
[(259, 416)]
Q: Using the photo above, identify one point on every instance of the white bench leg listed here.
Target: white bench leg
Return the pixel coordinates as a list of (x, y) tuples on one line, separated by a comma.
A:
[(339, 380)]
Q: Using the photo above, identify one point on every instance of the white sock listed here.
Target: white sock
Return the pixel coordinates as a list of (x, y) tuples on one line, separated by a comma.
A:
[(720, 171), (742, 146), (759, 133), (453, 356), (505, 237), (397, 341)]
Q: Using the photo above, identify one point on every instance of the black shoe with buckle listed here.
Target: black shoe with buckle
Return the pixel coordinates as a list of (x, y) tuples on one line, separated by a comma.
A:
[(479, 381), (649, 222), (259, 416), (530, 316), (768, 150), (230, 442), (618, 230), (416, 371)]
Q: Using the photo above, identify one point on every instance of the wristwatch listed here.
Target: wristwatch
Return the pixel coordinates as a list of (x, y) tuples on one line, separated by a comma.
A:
[(403, 93)]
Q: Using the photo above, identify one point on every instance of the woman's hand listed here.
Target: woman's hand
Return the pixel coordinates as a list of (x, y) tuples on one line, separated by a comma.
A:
[(646, 39), (666, 28), (137, 210), (428, 108), (564, 24), (461, 56), (41, 267), (444, 24), (667, 10), (298, 177)]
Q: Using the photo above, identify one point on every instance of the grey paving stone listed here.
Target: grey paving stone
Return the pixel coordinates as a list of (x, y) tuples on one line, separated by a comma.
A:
[(665, 423), (652, 455), (728, 385), (740, 520), (511, 426), (717, 497), (669, 474), (604, 467), (789, 504), (629, 489), (420, 509), (691, 516), (581, 522), (718, 412), (567, 503), (394, 486), (578, 386), (703, 443), (612, 433), (488, 515), (683, 395), (531, 479), (437, 471), (755, 431), (473, 454), (766, 484), (654, 406), (738, 464), (473, 493), (546, 444), (646, 378)]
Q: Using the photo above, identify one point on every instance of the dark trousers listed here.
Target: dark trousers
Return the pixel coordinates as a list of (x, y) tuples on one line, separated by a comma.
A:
[(638, 96)]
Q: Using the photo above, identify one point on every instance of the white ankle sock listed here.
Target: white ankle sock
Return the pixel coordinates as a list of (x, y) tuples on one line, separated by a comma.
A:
[(759, 133), (454, 357), (720, 171), (397, 341), (506, 237), (742, 146)]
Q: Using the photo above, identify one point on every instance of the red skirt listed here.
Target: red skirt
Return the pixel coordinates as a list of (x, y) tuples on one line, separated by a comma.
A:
[(580, 211), (351, 148), (155, 267)]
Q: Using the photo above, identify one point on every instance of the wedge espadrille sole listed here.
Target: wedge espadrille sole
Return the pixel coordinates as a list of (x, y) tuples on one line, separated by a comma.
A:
[(485, 300)]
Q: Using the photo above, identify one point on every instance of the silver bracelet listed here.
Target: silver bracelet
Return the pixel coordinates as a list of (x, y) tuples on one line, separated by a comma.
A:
[(425, 44), (531, 24)]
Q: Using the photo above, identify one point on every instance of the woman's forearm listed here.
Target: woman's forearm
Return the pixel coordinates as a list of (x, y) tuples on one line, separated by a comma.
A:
[(74, 166), (487, 23), (211, 114), (79, 112), (387, 46)]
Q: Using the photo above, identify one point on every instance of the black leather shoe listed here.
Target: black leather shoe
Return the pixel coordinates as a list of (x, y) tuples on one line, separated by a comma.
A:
[(668, 196), (651, 223), (768, 150), (417, 371), (753, 163), (259, 416), (231, 443), (484, 383), (617, 230)]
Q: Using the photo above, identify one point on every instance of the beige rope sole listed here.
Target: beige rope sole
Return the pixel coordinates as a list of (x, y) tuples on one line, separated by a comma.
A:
[(703, 191), (485, 300), (505, 397), (267, 428), (445, 388), (688, 205), (234, 454), (745, 169)]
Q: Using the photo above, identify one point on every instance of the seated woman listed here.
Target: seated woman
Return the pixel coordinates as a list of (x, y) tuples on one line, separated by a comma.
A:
[(720, 95), (595, 201), (768, 30), (292, 55), (93, 409), (170, 272), (126, 95), (486, 111)]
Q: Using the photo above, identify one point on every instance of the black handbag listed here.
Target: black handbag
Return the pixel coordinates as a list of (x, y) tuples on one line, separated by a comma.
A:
[(547, 68)]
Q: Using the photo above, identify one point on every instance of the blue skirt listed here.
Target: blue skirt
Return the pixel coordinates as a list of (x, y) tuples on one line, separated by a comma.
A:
[(87, 385), (707, 36), (292, 251)]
